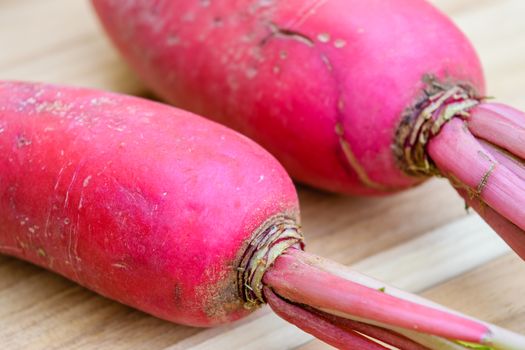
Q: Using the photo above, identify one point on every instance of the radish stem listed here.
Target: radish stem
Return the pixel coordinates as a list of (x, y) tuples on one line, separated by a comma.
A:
[(470, 166), (501, 125), (288, 279), (384, 335), (510, 233), (295, 276), (319, 327)]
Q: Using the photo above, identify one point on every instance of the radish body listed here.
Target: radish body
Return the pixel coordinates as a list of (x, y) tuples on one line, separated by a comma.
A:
[(322, 85), (186, 220), (351, 96), (143, 203)]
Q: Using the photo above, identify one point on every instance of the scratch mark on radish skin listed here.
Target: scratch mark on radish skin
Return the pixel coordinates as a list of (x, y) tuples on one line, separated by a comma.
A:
[(75, 246), (72, 248), (85, 183), (6, 248), (73, 178), (284, 33), (60, 172), (81, 201), (120, 265), (69, 257), (72, 230), (309, 11), (328, 64), (46, 227), (353, 162)]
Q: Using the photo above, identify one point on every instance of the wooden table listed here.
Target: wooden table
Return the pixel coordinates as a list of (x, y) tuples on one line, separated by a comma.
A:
[(421, 240)]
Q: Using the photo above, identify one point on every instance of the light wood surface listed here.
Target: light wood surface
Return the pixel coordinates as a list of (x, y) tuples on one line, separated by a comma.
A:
[(421, 240)]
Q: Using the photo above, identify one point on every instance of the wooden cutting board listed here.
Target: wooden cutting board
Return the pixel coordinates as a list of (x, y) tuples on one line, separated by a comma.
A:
[(420, 240)]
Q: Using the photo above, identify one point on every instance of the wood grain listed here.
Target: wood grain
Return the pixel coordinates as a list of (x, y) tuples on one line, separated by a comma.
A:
[(421, 240)]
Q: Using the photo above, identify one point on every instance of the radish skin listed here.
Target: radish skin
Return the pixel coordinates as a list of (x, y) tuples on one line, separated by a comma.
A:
[(184, 219), (351, 96)]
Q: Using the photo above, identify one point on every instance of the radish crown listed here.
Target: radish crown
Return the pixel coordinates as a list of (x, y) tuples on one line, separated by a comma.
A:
[(426, 119), (478, 146), (274, 237)]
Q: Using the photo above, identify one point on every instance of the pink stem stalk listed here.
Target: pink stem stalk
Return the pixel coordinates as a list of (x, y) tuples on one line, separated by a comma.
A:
[(497, 338), (384, 335), (510, 233), (462, 158), (501, 125), (345, 339), (297, 281)]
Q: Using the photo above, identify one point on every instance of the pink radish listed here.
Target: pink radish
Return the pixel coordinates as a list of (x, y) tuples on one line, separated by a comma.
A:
[(351, 96), (186, 220)]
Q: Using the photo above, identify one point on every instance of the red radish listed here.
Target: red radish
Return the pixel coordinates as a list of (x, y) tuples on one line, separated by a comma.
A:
[(351, 96), (187, 220)]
